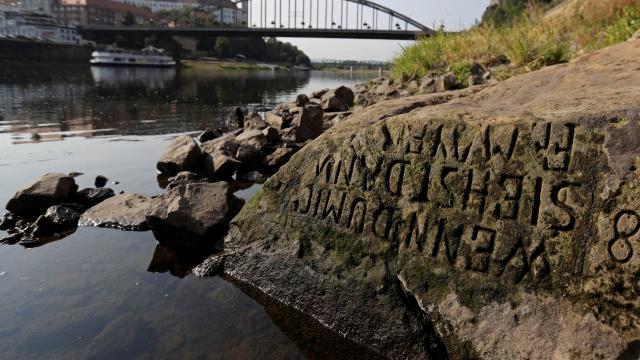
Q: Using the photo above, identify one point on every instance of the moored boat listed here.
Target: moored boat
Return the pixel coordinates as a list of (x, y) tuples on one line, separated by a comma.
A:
[(148, 57)]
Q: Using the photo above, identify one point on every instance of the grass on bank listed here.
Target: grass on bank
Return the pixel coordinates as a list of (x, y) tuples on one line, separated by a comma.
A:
[(535, 39)]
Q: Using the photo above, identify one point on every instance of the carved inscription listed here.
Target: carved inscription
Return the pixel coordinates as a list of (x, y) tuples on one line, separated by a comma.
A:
[(626, 225), (481, 199)]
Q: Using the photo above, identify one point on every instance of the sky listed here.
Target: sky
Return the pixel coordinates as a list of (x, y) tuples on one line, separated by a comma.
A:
[(453, 14)]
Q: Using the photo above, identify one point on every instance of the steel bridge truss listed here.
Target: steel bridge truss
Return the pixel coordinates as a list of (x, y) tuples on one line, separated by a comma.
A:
[(359, 15)]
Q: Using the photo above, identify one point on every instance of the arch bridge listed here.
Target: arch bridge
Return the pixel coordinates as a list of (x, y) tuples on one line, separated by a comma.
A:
[(356, 19)]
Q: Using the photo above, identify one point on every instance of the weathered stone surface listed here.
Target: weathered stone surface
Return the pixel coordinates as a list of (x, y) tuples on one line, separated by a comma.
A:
[(224, 145), (124, 211), (208, 135), (278, 158), (222, 166), (182, 154), (500, 225), (235, 120), (308, 123), (57, 218), (302, 100), (271, 134), (276, 120), (445, 82), (248, 155), (193, 214), (253, 138), (252, 176), (339, 99), (184, 178), (92, 196), (254, 121), (212, 266), (48, 190)]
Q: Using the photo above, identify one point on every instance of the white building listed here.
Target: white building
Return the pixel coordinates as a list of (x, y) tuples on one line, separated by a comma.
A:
[(156, 6), (34, 26), (43, 6)]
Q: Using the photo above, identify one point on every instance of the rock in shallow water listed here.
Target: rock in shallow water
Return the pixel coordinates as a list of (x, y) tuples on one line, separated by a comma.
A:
[(194, 214), (90, 197), (124, 211), (503, 225), (49, 189), (182, 154)]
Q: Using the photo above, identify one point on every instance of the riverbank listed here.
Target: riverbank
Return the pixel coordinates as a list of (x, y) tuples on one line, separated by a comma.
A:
[(536, 38)]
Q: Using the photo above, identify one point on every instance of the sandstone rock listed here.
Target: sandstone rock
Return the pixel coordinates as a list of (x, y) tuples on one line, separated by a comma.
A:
[(124, 211), (182, 154), (271, 134), (339, 99), (100, 181), (253, 138), (275, 120), (221, 167), (308, 123), (235, 120), (225, 145), (248, 156), (319, 93), (252, 176), (90, 196), (48, 190), (209, 135), (302, 100), (57, 218), (254, 121), (445, 82), (500, 225), (194, 214), (184, 178), (212, 266), (278, 158)]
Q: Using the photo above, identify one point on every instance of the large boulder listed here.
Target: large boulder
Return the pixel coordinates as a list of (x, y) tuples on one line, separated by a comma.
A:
[(48, 190), (124, 211), (500, 225), (339, 99), (308, 122), (194, 214), (254, 121), (182, 154), (253, 138)]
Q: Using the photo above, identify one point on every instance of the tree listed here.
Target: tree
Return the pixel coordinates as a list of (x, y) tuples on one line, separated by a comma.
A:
[(128, 19)]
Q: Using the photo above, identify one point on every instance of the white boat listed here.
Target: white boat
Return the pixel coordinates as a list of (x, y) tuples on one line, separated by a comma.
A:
[(149, 57)]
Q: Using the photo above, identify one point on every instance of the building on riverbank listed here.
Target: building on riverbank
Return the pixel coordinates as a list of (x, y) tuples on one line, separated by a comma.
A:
[(36, 26), (156, 6), (96, 12)]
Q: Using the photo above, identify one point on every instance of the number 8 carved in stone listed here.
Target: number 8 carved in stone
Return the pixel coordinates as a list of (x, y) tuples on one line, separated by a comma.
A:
[(626, 224)]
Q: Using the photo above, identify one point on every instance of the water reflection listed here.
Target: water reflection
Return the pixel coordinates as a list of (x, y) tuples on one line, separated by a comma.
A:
[(177, 262), (92, 102), (116, 76)]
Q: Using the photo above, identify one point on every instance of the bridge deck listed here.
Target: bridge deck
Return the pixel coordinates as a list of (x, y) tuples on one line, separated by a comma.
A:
[(97, 31)]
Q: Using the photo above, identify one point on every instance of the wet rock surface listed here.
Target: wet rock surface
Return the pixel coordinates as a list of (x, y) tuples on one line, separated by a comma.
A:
[(193, 215), (123, 211), (182, 154), (49, 189), (503, 224), (93, 196)]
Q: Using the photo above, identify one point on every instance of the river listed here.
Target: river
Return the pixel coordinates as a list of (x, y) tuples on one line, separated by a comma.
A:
[(109, 294)]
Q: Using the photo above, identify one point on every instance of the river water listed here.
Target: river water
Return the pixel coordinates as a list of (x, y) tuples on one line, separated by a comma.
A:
[(109, 294)]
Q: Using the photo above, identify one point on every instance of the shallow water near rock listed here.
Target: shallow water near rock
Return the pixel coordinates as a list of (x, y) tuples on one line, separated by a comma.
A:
[(102, 293)]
